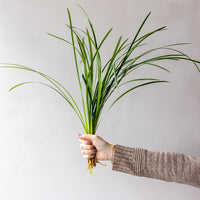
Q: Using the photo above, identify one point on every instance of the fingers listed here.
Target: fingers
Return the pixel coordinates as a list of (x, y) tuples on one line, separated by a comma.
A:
[(88, 150), (88, 156), (83, 139), (88, 153), (87, 147), (86, 137), (86, 142)]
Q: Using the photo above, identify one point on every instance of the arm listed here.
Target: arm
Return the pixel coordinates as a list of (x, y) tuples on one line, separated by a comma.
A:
[(173, 167)]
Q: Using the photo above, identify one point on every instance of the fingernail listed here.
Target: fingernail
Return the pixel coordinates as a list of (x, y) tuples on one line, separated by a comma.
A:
[(79, 134)]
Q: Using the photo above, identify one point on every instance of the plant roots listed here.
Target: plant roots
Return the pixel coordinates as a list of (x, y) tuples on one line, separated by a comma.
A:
[(92, 163)]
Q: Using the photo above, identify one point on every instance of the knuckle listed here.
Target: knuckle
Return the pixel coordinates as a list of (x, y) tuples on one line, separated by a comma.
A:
[(83, 152), (95, 137), (80, 140), (85, 156), (88, 152)]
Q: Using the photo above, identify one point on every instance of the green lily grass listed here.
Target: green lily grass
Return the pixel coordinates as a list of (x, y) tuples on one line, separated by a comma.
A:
[(98, 81)]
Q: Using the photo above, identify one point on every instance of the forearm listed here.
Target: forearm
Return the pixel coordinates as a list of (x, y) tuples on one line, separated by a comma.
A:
[(166, 166)]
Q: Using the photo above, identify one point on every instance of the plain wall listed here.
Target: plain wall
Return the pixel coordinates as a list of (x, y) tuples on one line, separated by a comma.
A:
[(39, 152)]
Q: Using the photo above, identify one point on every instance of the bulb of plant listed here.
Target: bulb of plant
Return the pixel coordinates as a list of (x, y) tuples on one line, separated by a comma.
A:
[(98, 81)]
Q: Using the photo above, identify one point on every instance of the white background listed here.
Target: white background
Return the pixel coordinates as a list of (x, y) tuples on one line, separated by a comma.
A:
[(39, 152)]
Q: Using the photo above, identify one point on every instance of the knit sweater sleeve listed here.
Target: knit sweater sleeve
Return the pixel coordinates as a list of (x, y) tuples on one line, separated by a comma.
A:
[(172, 167)]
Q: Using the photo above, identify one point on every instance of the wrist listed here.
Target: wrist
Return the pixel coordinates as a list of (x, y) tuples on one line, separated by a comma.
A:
[(111, 152)]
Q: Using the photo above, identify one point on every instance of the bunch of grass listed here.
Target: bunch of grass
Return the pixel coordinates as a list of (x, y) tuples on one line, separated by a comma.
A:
[(98, 81)]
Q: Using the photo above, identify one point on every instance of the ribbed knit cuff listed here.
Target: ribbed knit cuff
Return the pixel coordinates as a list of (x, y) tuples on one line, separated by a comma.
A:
[(129, 160)]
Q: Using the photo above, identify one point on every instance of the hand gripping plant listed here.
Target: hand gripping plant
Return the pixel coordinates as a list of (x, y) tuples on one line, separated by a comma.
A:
[(98, 81)]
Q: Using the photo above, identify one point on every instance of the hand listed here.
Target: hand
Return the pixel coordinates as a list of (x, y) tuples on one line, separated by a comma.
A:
[(92, 145)]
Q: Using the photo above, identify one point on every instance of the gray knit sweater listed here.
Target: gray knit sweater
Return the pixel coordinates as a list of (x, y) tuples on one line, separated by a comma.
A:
[(173, 167)]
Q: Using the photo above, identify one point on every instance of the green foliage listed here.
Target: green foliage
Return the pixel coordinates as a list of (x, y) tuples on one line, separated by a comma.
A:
[(96, 81)]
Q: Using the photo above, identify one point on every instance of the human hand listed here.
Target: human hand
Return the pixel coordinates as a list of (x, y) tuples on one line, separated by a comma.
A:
[(92, 145)]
